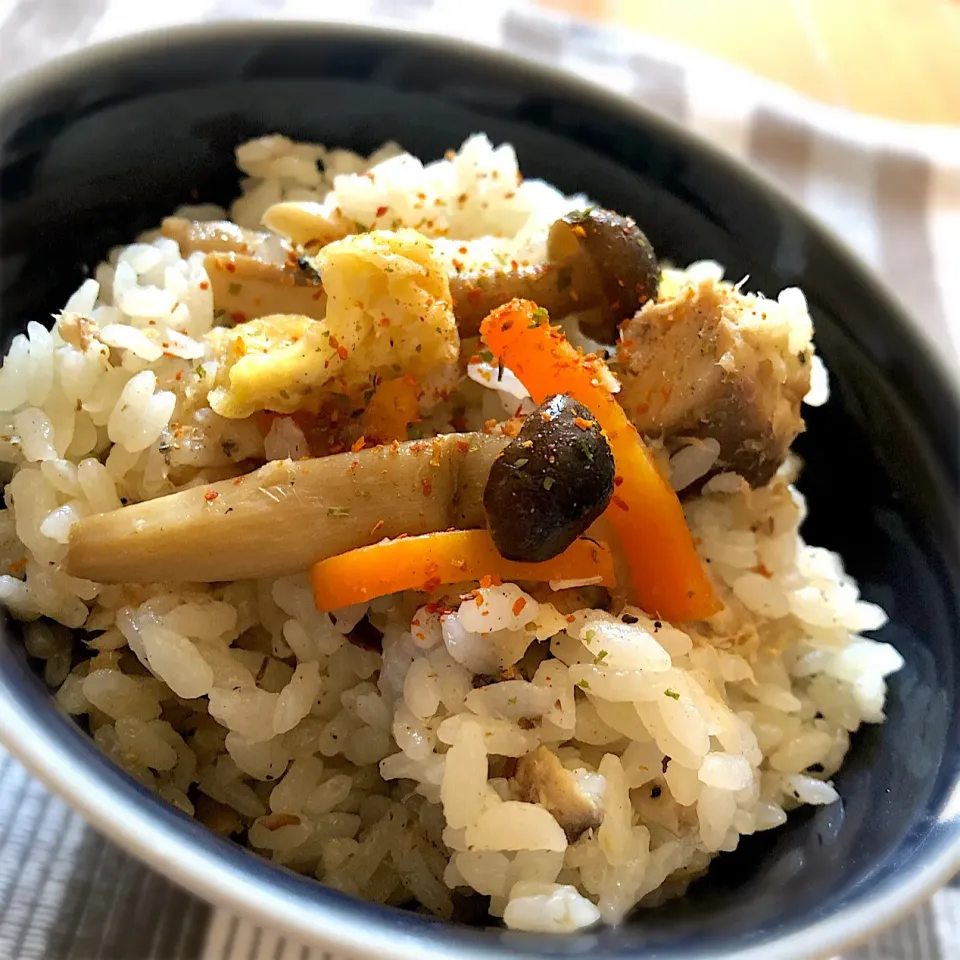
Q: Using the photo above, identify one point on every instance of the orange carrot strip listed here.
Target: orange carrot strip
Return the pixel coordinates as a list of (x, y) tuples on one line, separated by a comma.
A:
[(451, 556), (392, 409), (667, 575)]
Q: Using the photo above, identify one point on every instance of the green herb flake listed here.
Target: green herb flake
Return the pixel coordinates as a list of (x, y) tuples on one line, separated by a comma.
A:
[(486, 355), (233, 289), (548, 483), (540, 315), (522, 462), (589, 635), (338, 512), (199, 371), (284, 395), (671, 693), (583, 684), (585, 447), (512, 701), (600, 657)]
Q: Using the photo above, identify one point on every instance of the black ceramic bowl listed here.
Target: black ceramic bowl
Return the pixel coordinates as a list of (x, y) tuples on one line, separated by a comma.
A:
[(97, 147)]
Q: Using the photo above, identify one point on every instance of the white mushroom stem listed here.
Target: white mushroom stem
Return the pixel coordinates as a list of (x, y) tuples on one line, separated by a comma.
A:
[(287, 515)]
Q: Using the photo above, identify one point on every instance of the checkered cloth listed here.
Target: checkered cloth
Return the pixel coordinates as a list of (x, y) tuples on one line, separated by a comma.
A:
[(891, 191)]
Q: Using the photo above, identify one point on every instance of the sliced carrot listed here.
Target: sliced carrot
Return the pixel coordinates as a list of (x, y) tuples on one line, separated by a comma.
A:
[(451, 556), (392, 409), (667, 575)]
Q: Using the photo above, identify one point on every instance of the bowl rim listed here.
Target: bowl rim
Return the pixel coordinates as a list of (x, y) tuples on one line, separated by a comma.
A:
[(215, 877)]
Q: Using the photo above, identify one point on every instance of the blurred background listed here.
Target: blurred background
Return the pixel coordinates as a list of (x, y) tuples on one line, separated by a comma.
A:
[(891, 58)]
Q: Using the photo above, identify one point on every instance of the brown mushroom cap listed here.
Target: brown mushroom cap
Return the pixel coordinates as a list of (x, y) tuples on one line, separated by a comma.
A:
[(611, 264), (600, 265)]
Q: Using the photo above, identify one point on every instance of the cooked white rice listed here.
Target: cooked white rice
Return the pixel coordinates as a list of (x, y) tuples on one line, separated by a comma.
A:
[(391, 777)]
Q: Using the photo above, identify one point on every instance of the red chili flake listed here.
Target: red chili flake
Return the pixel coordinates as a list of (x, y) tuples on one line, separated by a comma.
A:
[(463, 446), (238, 481), (432, 584), (617, 481), (666, 391), (489, 580), (763, 571), (381, 211), (384, 321), (358, 444), (204, 285), (463, 250), (17, 565), (274, 821), (514, 265), (622, 504), (317, 295), (426, 486), (238, 317), (230, 267), (210, 496), (582, 423), (475, 295), (518, 605), (179, 375)]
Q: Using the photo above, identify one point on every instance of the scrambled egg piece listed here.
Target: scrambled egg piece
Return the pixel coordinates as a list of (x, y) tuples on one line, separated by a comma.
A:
[(389, 312)]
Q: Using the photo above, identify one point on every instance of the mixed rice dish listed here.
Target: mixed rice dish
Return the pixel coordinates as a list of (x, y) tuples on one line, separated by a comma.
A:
[(413, 526)]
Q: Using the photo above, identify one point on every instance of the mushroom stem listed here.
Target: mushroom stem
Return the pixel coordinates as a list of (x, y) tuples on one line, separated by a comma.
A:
[(287, 515), (599, 265)]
